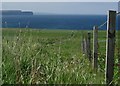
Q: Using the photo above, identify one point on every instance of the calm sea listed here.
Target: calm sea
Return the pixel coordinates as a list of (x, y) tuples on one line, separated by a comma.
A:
[(74, 22)]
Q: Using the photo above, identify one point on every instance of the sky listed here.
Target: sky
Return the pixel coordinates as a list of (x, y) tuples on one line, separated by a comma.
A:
[(119, 7), (60, 0), (62, 7)]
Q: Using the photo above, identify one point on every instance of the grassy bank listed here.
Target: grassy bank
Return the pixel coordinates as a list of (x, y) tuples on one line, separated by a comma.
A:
[(49, 56)]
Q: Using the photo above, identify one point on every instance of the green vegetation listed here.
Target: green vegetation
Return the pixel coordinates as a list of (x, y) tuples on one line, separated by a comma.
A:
[(49, 56)]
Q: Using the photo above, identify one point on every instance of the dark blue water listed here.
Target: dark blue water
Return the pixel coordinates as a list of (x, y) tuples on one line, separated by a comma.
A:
[(76, 22)]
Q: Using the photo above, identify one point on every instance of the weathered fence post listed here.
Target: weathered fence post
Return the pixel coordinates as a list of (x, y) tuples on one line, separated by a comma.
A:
[(83, 44), (89, 46), (119, 42), (110, 46), (118, 64), (95, 47), (86, 45)]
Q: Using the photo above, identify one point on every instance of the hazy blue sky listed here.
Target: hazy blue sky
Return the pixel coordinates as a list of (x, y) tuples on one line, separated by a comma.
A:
[(60, 0), (63, 7)]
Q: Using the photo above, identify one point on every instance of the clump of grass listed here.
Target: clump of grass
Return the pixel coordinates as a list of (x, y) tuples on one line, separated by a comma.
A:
[(47, 57)]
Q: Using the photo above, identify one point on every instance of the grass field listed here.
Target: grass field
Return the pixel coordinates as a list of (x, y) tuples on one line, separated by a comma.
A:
[(50, 57)]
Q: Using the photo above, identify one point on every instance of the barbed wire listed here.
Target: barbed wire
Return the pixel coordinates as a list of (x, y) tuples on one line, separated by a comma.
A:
[(102, 25), (118, 13), (105, 22)]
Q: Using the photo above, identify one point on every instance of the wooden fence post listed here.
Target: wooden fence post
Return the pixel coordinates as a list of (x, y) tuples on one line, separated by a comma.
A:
[(89, 46), (85, 45), (82, 44), (118, 63), (110, 46), (118, 42), (95, 47)]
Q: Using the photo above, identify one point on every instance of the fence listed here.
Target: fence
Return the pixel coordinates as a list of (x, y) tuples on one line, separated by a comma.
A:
[(110, 46)]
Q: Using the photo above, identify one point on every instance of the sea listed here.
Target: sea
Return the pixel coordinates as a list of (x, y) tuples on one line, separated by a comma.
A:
[(67, 22)]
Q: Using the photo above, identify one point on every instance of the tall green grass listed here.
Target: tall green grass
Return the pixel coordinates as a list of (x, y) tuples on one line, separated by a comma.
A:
[(49, 57)]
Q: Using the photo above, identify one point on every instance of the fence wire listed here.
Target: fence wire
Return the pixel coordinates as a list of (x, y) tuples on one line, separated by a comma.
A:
[(102, 25), (105, 22), (118, 13)]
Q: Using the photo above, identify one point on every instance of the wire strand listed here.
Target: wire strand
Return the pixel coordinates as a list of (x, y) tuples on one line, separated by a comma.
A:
[(102, 25), (118, 13), (105, 22)]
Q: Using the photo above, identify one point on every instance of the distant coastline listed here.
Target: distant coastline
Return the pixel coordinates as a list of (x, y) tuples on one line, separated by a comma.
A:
[(15, 12)]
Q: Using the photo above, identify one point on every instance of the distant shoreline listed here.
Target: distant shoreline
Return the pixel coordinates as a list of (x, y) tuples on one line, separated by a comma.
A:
[(15, 12)]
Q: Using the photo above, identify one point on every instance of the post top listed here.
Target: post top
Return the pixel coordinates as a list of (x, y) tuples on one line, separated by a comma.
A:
[(112, 10)]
